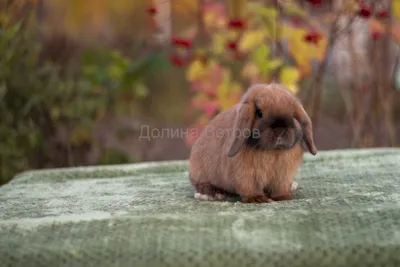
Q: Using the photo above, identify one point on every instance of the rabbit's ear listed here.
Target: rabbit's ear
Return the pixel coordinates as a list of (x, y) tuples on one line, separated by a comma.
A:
[(306, 124), (242, 126)]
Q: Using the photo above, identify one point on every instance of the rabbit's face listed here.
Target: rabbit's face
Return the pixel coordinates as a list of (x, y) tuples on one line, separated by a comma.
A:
[(278, 132), (275, 117)]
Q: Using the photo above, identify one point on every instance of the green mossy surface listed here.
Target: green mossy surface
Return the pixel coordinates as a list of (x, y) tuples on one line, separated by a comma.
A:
[(345, 212)]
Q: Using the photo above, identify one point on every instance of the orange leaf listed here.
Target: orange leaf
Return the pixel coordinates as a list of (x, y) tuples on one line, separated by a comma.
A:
[(376, 26), (396, 33)]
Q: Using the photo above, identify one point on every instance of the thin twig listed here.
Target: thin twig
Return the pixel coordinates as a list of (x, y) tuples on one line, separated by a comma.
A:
[(345, 28), (395, 67)]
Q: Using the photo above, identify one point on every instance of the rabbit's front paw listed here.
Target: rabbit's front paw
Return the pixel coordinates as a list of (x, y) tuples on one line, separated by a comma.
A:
[(205, 197), (294, 186)]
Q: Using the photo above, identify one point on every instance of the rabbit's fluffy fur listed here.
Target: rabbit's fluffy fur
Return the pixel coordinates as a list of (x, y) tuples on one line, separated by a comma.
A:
[(227, 160)]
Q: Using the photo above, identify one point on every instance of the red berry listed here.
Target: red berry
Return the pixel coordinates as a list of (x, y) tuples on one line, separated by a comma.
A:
[(236, 24), (152, 10), (376, 35), (315, 2), (232, 45), (382, 14), (177, 61), (181, 42), (365, 11), (312, 37)]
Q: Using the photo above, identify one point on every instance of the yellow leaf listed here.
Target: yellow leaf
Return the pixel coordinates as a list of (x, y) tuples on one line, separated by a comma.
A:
[(269, 13), (304, 52), (396, 9), (218, 45), (287, 30), (289, 76), (228, 92), (234, 96), (222, 89), (195, 70), (198, 69), (252, 39), (273, 64)]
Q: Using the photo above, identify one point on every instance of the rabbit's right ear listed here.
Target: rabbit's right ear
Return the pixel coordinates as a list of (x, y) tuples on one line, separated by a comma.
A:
[(242, 126)]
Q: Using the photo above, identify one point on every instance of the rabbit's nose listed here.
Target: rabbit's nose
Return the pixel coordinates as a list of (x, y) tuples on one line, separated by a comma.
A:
[(280, 132)]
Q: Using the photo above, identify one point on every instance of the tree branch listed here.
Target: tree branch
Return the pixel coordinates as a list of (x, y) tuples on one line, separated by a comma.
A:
[(316, 86)]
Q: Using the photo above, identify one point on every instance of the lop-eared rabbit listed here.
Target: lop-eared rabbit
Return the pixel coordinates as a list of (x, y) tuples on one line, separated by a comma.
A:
[(253, 148)]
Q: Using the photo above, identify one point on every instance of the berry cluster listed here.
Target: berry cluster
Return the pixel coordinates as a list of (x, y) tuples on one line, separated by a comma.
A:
[(184, 44), (236, 25), (367, 10), (177, 42)]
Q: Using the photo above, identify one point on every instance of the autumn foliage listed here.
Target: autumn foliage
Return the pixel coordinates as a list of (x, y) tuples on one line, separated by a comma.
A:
[(280, 43)]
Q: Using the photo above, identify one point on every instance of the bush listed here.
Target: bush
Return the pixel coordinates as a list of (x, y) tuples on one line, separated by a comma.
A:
[(39, 98), (33, 98)]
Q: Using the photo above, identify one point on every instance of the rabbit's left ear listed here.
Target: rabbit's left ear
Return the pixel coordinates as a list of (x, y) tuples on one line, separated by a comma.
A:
[(243, 121), (306, 124)]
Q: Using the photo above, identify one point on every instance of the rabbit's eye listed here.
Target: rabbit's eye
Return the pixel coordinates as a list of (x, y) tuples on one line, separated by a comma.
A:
[(258, 113)]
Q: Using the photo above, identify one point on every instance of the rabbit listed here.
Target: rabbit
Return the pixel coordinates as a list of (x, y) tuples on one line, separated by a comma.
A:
[(253, 148)]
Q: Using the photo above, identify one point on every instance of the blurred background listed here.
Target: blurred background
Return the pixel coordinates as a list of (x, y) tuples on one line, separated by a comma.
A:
[(119, 81)]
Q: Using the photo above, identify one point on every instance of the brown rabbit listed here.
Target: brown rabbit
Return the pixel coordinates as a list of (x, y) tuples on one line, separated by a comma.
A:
[(252, 147)]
